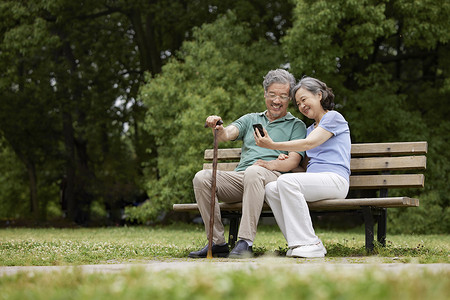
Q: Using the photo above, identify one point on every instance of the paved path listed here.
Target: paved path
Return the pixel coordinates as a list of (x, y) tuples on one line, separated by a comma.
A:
[(303, 266)]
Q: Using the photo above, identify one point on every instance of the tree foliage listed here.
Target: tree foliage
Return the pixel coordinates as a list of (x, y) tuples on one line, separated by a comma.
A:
[(388, 64), (103, 102), (218, 72), (71, 72)]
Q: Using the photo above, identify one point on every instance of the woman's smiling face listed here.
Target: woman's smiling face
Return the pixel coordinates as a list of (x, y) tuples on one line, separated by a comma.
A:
[(309, 104)]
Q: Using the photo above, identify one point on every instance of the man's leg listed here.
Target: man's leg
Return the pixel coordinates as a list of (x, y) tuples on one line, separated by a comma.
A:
[(229, 188), (255, 180)]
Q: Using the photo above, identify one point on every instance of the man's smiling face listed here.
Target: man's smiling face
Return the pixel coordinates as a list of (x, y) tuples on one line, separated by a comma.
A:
[(277, 100)]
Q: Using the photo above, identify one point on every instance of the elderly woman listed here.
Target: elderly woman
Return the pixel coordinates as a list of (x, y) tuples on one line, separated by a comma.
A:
[(327, 147)]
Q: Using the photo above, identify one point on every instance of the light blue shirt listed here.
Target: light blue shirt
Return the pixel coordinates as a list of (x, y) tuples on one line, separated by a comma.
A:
[(334, 154)]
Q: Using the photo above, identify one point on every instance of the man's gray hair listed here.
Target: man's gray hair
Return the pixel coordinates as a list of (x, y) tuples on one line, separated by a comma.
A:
[(278, 76)]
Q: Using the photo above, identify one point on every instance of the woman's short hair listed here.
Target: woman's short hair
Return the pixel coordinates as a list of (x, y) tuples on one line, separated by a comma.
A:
[(315, 86), (279, 76)]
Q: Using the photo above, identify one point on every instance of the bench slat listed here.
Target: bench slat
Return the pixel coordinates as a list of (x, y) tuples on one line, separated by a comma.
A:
[(387, 181), (365, 181), (388, 163), (331, 204), (363, 149), (230, 166), (400, 148), (360, 164), (375, 181), (224, 154)]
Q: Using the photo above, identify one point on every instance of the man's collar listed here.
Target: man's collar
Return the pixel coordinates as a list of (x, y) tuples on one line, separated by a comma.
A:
[(288, 116)]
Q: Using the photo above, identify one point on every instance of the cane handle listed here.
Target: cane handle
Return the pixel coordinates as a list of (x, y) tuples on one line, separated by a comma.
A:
[(220, 122)]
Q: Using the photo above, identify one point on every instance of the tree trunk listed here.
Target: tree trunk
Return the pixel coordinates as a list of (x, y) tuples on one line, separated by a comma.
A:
[(149, 53), (69, 205), (32, 183)]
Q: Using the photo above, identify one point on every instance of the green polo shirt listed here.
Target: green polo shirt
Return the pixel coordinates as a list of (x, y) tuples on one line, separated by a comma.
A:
[(284, 129)]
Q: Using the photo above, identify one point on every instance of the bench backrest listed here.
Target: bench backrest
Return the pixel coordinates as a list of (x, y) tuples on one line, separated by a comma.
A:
[(373, 165)]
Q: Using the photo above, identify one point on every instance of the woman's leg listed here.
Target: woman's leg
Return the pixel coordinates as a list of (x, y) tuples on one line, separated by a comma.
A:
[(295, 190), (273, 199)]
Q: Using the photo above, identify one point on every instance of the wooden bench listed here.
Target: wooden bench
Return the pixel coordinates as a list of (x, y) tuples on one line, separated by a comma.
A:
[(375, 166)]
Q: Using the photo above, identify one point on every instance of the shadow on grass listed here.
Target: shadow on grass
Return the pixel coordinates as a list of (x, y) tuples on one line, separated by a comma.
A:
[(418, 254)]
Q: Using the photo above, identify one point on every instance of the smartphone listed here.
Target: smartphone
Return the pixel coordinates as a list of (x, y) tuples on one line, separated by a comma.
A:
[(259, 127)]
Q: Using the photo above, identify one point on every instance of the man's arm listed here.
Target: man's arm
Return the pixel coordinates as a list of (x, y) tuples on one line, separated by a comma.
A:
[(290, 162), (302, 166), (229, 133)]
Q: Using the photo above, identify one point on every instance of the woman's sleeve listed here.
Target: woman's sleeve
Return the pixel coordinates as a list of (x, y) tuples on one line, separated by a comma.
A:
[(334, 122)]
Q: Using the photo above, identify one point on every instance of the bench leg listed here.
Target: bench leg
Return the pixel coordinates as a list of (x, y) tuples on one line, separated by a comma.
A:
[(234, 227), (382, 224), (369, 225)]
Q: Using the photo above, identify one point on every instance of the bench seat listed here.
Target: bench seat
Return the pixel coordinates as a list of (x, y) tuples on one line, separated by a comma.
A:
[(331, 204)]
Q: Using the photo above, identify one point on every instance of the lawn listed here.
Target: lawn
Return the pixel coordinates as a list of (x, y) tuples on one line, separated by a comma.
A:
[(259, 284), (25, 247), (22, 246)]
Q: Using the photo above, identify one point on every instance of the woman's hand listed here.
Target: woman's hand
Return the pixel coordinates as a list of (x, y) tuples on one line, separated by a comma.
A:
[(283, 156), (265, 142)]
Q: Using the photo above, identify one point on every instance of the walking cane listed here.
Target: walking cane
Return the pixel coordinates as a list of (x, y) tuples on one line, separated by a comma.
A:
[(213, 192)]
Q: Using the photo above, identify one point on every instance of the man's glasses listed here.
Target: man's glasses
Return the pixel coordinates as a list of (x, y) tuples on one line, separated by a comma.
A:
[(273, 96)]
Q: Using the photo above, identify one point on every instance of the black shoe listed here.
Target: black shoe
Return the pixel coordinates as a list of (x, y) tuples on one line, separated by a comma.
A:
[(241, 250), (217, 251)]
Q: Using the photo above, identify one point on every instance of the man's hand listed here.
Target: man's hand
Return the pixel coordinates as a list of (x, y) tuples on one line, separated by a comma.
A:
[(270, 165), (211, 122), (228, 133)]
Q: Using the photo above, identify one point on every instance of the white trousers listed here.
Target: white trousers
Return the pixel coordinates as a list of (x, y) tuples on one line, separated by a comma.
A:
[(288, 197)]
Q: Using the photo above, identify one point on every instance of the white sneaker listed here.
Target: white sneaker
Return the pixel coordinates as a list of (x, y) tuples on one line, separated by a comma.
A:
[(289, 252), (308, 251), (324, 249)]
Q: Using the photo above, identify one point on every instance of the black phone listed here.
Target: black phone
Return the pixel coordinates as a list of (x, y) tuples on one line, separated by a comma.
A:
[(259, 127)]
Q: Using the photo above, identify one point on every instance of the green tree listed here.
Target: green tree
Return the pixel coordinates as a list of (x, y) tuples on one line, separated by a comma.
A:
[(219, 72), (388, 62), (60, 91), (72, 72)]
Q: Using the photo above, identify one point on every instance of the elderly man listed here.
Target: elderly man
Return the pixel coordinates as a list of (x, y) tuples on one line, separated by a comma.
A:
[(257, 167)]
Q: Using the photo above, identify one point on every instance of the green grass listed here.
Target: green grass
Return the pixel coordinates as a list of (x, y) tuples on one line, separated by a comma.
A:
[(22, 247), (43, 247), (262, 283)]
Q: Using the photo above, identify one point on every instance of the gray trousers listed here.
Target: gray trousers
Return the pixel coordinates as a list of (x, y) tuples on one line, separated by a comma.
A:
[(246, 187)]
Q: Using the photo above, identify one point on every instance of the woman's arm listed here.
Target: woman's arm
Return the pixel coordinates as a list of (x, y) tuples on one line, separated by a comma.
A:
[(317, 137)]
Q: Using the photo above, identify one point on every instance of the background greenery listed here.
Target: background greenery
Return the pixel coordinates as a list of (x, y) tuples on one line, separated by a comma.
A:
[(103, 102)]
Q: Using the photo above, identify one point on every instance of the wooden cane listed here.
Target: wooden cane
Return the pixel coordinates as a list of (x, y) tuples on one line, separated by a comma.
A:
[(213, 192)]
